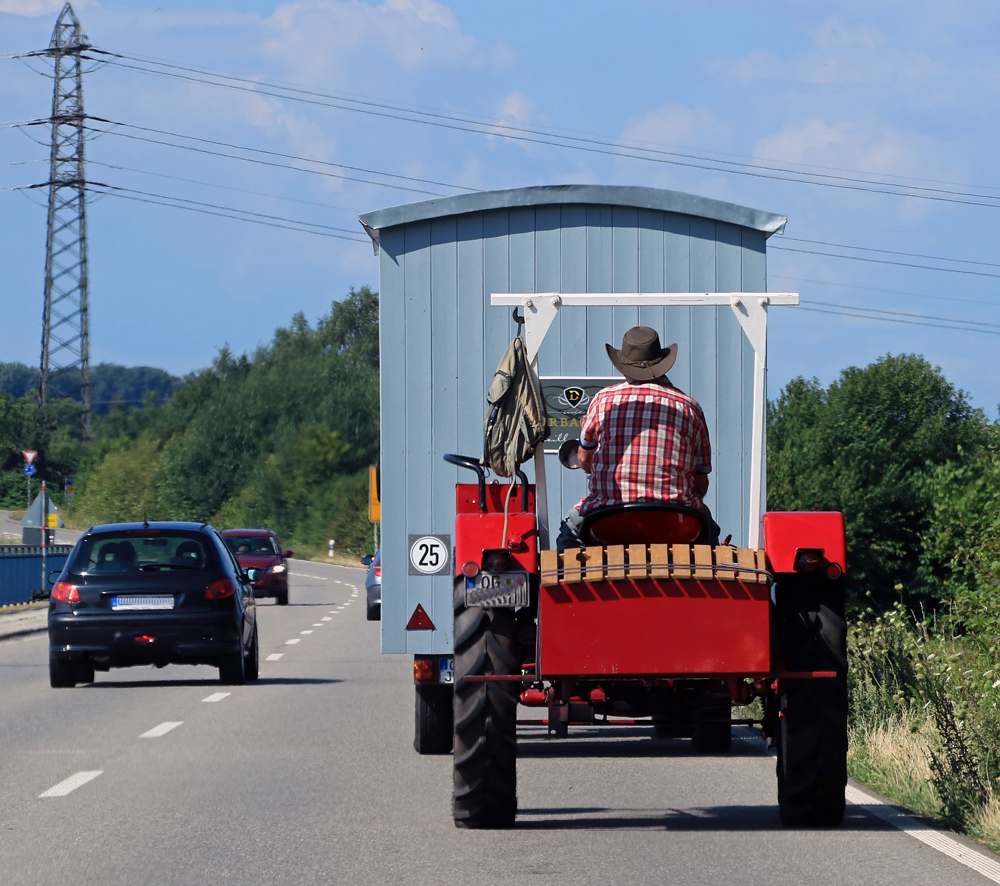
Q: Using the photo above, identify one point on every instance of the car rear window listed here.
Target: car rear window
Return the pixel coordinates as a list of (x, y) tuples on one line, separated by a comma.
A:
[(136, 551), (252, 544)]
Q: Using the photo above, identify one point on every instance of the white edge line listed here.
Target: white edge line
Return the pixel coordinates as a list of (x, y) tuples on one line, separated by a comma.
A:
[(217, 696), (936, 839), (71, 784)]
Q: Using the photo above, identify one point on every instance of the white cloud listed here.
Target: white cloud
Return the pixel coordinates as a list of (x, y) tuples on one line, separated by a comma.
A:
[(312, 36), (516, 108), (673, 125), (30, 7)]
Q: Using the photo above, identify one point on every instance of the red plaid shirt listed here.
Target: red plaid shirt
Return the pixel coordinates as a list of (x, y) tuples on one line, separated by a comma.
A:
[(650, 441)]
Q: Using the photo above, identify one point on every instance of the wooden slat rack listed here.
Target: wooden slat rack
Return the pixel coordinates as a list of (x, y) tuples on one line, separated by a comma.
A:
[(655, 561)]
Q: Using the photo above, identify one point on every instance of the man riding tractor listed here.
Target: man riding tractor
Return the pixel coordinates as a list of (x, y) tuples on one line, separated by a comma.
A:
[(643, 441)]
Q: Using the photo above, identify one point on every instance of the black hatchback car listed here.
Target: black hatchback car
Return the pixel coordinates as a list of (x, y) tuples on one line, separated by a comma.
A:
[(151, 594)]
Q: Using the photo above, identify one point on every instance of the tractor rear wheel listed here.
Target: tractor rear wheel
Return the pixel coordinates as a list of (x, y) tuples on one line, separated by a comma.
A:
[(811, 737), (485, 728), (433, 719), (812, 752)]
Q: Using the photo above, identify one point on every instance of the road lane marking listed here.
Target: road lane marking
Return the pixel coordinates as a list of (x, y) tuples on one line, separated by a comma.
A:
[(303, 575), (292, 642), (943, 842), (71, 784), (318, 624), (305, 632), (327, 618), (162, 729), (274, 656), (217, 696)]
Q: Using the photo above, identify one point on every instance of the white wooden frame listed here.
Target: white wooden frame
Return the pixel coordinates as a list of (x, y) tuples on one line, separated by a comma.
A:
[(750, 308)]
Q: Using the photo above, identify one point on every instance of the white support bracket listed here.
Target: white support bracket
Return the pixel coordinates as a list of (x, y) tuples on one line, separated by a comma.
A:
[(750, 308)]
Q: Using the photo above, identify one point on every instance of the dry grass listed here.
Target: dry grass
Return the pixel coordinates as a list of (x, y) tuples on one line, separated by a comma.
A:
[(892, 758), (985, 827)]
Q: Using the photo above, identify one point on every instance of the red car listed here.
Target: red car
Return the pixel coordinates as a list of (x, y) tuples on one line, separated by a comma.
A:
[(260, 549)]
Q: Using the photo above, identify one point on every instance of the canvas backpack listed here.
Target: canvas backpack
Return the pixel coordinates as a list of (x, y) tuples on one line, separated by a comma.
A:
[(516, 421)]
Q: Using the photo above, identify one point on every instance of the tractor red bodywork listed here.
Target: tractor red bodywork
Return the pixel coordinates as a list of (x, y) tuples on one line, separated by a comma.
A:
[(477, 532)]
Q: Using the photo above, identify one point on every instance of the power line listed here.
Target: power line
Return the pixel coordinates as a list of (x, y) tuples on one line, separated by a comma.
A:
[(976, 323), (843, 313), (259, 162), (482, 121), (271, 224), (580, 144), (228, 209), (194, 181), (882, 261), (208, 141), (965, 261), (948, 298)]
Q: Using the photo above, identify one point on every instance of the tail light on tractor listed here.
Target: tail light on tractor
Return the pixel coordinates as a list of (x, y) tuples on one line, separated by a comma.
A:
[(812, 560)]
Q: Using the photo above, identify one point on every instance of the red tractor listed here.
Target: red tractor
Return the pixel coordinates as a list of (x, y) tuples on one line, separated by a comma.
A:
[(647, 624)]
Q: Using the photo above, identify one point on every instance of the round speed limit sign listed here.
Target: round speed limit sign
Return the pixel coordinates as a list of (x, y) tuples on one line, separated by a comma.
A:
[(429, 554)]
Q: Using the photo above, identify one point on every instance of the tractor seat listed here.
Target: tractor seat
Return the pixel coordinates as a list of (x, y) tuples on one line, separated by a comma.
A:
[(646, 522)]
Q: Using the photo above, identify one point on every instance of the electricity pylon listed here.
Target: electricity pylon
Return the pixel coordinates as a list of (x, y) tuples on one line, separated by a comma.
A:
[(65, 323)]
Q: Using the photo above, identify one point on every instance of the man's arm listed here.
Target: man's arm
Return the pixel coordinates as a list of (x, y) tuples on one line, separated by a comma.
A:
[(586, 457), (700, 484)]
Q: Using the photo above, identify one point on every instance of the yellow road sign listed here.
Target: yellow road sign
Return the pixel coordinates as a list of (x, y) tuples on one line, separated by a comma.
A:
[(374, 505)]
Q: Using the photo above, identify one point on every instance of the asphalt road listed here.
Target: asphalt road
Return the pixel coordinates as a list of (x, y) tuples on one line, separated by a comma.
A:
[(10, 531), (309, 777)]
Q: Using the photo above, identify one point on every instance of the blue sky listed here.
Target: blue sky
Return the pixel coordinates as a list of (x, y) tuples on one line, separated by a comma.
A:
[(890, 92)]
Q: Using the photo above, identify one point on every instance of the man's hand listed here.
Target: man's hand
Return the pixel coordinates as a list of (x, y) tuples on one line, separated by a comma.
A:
[(586, 457)]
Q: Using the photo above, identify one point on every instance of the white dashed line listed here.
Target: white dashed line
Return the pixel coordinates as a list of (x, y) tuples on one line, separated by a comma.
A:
[(327, 618), (162, 729), (217, 696), (274, 656), (318, 624), (303, 575), (71, 784), (292, 642), (305, 632)]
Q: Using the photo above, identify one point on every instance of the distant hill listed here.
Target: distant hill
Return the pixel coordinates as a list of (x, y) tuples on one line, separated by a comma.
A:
[(107, 382)]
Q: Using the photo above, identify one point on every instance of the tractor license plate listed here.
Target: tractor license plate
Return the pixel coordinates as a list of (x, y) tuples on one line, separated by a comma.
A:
[(490, 591), (447, 670)]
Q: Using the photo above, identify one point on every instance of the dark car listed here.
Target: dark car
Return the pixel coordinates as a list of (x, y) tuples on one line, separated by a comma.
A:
[(151, 594), (373, 585), (260, 549)]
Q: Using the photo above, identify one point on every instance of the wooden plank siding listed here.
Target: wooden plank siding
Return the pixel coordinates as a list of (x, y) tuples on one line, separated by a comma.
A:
[(441, 341)]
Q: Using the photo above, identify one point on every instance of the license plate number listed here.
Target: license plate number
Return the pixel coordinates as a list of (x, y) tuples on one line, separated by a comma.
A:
[(447, 666), (491, 591), (142, 601)]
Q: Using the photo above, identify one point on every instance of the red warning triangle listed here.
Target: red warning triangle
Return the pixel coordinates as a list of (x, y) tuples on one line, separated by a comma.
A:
[(420, 621)]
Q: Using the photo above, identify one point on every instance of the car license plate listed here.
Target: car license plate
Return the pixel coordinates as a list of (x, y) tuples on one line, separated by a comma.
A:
[(447, 666), (142, 601), (494, 591)]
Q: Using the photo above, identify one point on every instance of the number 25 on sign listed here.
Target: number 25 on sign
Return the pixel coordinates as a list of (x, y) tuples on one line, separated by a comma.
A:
[(429, 554)]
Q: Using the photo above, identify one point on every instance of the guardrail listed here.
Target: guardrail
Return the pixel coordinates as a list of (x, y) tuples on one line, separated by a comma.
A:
[(21, 578)]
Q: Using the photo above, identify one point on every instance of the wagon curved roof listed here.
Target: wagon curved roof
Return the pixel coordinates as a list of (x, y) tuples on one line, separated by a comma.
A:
[(607, 195)]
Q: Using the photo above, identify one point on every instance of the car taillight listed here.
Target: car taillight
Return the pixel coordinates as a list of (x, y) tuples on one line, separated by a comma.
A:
[(377, 571), (65, 592), (423, 671), (224, 587)]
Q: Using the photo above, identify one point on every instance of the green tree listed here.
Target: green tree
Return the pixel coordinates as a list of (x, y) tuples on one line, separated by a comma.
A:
[(867, 446)]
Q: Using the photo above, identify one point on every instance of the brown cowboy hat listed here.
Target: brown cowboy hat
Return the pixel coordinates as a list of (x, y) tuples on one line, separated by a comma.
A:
[(641, 357)]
